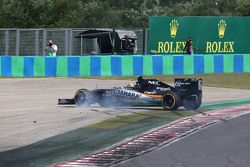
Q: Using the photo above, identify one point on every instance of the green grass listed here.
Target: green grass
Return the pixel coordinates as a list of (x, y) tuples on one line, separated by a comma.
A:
[(228, 80)]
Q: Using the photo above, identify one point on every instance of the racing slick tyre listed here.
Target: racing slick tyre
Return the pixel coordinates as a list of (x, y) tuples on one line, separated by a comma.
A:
[(170, 101), (192, 102), (81, 96)]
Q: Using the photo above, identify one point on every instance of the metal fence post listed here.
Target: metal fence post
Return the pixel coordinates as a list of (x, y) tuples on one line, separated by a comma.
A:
[(70, 42), (66, 43), (81, 46), (113, 41), (17, 42), (44, 42), (145, 34), (6, 43), (36, 42)]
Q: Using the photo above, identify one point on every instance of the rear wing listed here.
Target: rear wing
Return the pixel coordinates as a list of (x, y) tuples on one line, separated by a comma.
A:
[(188, 84)]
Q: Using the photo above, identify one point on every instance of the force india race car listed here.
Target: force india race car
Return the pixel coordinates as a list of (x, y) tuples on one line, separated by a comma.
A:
[(187, 92)]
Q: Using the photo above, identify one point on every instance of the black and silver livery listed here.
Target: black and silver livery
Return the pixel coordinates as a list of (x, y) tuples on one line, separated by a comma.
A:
[(186, 92)]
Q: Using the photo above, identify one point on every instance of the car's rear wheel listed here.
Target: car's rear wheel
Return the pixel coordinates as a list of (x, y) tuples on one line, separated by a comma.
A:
[(192, 102), (81, 97), (170, 101)]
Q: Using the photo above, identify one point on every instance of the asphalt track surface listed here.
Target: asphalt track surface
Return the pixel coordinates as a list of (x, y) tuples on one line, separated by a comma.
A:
[(225, 144), (28, 110)]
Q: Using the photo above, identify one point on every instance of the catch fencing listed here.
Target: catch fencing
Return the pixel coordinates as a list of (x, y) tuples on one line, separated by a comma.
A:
[(32, 42)]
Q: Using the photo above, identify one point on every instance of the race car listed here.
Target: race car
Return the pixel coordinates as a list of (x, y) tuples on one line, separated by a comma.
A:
[(186, 92)]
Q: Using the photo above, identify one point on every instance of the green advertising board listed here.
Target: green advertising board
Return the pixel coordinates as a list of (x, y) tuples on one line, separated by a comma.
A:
[(210, 34)]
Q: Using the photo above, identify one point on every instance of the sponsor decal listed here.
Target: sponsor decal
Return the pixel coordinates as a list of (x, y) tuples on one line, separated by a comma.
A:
[(179, 83), (210, 46), (123, 92), (218, 46), (109, 93), (171, 47), (63, 100), (173, 25), (222, 28), (162, 89), (154, 82), (153, 92), (156, 99)]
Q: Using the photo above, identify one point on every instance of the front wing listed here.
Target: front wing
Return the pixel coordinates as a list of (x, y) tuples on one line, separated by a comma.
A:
[(66, 101)]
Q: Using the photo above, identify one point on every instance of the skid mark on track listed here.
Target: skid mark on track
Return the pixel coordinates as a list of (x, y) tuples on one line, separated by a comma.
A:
[(156, 138)]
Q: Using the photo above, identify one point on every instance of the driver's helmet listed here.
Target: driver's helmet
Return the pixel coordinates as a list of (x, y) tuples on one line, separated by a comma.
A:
[(131, 84)]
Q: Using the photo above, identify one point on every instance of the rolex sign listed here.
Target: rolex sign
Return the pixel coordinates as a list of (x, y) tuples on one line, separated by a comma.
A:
[(210, 34)]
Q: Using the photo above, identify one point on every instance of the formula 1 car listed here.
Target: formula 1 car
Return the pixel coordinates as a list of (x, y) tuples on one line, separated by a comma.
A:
[(186, 92)]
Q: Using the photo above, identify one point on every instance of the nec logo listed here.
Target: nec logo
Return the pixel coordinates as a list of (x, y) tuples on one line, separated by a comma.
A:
[(154, 82)]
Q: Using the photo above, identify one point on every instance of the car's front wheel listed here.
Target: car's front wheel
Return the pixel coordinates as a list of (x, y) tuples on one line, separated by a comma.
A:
[(81, 96)]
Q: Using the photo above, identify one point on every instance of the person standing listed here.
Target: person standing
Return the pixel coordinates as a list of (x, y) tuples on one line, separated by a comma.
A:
[(189, 46), (51, 48)]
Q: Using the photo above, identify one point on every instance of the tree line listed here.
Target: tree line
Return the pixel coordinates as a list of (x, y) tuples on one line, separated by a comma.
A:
[(109, 13)]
